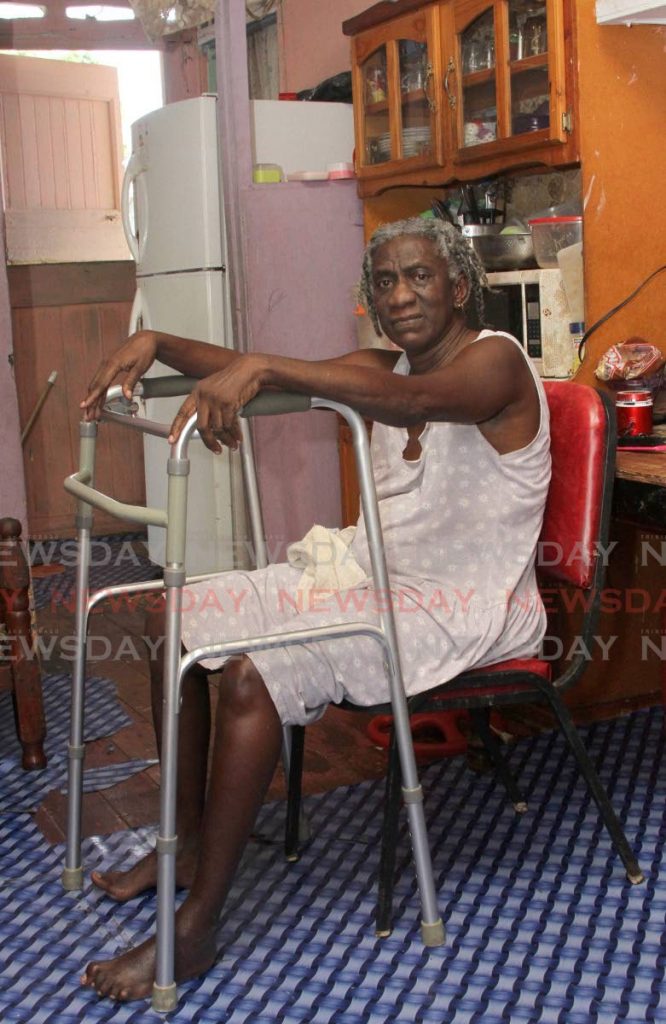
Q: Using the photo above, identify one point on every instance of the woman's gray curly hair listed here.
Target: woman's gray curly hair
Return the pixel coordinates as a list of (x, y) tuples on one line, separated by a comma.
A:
[(456, 250)]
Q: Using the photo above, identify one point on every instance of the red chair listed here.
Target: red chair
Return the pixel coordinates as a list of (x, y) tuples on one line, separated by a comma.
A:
[(574, 536)]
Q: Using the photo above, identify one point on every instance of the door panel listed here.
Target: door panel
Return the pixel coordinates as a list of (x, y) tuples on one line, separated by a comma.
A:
[(61, 155)]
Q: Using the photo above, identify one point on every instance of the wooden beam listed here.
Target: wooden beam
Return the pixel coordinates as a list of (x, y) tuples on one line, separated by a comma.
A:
[(55, 31), (67, 284)]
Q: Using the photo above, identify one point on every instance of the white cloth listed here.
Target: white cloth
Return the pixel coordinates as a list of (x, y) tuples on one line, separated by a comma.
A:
[(326, 559), (460, 526)]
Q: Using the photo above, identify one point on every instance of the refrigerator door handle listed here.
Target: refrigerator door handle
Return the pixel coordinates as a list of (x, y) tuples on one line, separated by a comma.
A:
[(134, 176)]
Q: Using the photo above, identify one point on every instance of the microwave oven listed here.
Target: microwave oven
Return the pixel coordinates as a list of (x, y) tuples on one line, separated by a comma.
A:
[(531, 305)]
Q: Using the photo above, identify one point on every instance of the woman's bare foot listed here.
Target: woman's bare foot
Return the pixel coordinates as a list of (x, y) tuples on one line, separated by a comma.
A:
[(125, 885), (131, 975)]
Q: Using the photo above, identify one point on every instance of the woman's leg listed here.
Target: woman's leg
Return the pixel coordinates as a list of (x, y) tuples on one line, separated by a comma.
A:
[(193, 741), (247, 743)]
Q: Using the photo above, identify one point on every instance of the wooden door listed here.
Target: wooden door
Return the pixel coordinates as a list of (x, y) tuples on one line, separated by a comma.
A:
[(71, 279), (61, 160)]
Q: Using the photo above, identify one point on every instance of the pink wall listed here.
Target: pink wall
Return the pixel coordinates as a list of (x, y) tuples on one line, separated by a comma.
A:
[(294, 258), (312, 46), (300, 274), (12, 487)]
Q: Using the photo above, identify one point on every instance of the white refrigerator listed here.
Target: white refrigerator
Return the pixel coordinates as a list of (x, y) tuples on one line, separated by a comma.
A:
[(174, 226)]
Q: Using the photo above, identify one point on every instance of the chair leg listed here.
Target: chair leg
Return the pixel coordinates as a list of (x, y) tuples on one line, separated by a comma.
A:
[(610, 819), (294, 787), (481, 721), (389, 843)]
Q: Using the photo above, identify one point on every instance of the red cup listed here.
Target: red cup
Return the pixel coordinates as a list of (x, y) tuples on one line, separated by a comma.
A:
[(634, 412)]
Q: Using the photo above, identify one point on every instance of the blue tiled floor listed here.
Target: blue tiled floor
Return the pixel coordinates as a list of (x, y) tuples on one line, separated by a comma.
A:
[(113, 560), (24, 791), (542, 925)]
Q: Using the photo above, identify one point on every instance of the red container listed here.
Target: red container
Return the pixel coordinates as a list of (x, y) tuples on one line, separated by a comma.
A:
[(634, 412)]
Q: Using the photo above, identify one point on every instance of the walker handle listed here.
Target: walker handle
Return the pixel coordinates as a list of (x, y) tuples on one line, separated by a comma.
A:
[(166, 387), (266, 403), (275, 403)]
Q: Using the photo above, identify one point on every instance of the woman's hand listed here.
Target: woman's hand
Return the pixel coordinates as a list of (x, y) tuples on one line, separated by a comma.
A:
[(132, 359), (218, 399)]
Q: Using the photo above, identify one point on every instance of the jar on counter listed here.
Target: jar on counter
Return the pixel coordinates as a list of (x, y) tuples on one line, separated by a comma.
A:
[(634, 412)]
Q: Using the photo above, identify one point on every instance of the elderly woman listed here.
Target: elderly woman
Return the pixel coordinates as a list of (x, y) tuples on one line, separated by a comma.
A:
[(461, 461)]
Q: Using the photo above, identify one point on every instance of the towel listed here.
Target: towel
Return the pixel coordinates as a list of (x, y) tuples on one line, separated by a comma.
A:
[(326, 559)]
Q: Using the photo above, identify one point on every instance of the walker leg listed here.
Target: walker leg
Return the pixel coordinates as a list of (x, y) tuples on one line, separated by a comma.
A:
[(432, 929), (165, 994), (72, 873)]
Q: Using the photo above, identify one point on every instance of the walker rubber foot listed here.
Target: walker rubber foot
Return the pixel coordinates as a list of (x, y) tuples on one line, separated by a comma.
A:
[(433, 934), (383, 933), (520, 807), (72, 879), (165, 998), (636, 879)]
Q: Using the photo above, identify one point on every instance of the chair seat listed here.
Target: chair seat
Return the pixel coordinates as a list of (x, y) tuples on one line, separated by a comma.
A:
[(532, 665), (514, 677)]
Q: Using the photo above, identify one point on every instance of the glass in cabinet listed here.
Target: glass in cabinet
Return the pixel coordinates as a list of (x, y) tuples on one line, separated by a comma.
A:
[(510, 73), (479, 89), (395, 76)]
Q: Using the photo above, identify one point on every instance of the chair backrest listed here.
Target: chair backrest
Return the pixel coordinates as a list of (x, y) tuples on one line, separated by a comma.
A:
[(576, 521)]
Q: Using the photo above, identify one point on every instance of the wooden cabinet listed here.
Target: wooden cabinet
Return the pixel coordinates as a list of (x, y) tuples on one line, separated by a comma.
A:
[(396, 68), (461, 89)]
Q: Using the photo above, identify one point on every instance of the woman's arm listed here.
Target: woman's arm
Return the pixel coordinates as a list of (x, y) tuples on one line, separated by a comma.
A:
[(139, 352), (484, 380)]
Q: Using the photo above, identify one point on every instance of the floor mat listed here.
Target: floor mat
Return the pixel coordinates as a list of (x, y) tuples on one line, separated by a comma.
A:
[(104, 715), (542, 925), (113, 560)]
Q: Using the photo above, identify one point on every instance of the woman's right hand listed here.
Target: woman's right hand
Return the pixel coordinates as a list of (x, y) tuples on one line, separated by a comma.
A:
[(132, 359)]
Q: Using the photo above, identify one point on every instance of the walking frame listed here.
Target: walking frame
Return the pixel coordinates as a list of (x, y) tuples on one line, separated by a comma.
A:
[(173, 519)]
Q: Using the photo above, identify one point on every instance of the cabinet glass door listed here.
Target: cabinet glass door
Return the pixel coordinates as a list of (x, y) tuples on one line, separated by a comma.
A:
[(529, 75), (395, 77), (377, 141), (479, 91), (416, 105)]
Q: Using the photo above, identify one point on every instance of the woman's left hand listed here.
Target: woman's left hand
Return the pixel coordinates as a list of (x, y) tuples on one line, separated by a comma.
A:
[(217, 401)]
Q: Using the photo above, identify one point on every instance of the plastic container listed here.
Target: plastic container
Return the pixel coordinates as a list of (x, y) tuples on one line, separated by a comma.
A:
[(550, 234), (307, 176), (569, 208), (340, 171), (263, 174)]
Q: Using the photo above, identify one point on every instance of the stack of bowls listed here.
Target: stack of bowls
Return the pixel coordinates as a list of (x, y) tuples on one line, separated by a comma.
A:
[(498, 249)]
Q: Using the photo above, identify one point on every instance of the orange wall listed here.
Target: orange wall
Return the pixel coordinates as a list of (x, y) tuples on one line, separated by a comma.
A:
[(312, 46), (622, 88)]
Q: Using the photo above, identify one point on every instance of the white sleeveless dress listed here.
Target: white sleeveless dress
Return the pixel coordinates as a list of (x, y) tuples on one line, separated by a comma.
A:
[(460, 527)]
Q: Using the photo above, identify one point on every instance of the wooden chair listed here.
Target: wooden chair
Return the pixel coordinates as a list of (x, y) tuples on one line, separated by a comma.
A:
[(19, 666), (574, 540)]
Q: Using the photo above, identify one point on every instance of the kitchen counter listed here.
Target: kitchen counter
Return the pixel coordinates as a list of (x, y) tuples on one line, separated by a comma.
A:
[(643, 467)]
